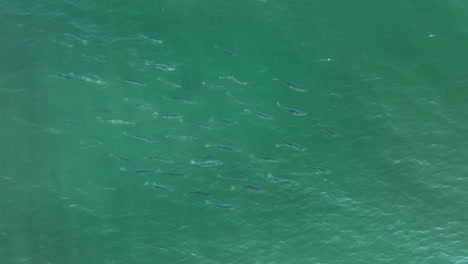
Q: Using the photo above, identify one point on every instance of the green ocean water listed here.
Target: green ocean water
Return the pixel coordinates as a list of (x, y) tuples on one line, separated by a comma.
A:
[(94, 170)]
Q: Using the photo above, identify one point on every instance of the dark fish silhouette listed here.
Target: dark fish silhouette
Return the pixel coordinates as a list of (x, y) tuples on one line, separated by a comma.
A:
[(225, 51), (296, 112), (292, 85)]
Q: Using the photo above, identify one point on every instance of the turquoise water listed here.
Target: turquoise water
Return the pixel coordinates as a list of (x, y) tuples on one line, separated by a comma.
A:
[(150, 132)]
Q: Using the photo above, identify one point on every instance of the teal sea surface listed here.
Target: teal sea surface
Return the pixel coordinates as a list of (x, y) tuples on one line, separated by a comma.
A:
[(247, 131)]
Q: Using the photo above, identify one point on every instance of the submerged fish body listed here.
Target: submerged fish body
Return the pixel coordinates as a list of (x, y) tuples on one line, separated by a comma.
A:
[(284, 182), (152, 39), (67, 76), (92, 79), (207, 163), (120, 157), (161, 159), (234, 79), (105, 187), (326, 130), (135, 82), (168, 116), (233, 177), (200, 193), (252, 188), (141, 137), (215, 87), (259, 114), (224, 121), (139, 171), (292, 85), (318, 170), (180, 99), (223, 148), (156, 186), (293, 111), (90, 143), (169, 83), (173, 174), (222, 205), (239, 100), (292, 146), (184, 137), (267, 159), (225, 51), (160, 66), (116, 121), (139, 104)]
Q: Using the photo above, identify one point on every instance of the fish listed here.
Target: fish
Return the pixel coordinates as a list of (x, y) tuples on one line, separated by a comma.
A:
[(159, 186), (234, 79), (120, 157), (223, 148), (328, 131), (174, 174), (63, 43), (296, 112), (184, 137), (225, 51), (67, 76), (53, 130), (180, 99), (239, 100), (267, 159), (284, 182), (90, 143), (168, 116), (223, 205), (110, 188), (215, 87), (169, 83), (116, 121), (5, 90), (234, 177), (97, 58), (142, 105), (292, 85), (92, 78), (157, 41), (160, 66), (141, 137), (259, 114), (82, 41), (200, 193), (318, 170), (225, 121), (207, 163), (293, 146), (200, 124), (71, 122), (161, 159), (226, 206), (252, 188), (106, 187), (139, 171), (135, 82)]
